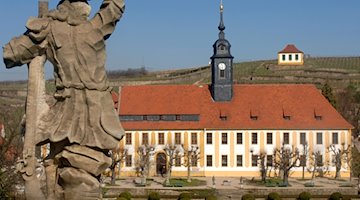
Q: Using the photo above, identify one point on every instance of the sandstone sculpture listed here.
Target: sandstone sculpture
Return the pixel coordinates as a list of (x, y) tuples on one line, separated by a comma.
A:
[(81, 125)]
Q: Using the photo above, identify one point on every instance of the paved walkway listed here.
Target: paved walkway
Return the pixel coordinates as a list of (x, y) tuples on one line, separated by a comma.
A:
[(234, 182)]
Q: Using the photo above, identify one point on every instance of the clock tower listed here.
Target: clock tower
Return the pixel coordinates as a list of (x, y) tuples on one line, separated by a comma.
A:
[(221, 66)]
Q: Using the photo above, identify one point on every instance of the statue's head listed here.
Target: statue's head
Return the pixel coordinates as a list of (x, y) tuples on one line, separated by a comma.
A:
[(81, 7)]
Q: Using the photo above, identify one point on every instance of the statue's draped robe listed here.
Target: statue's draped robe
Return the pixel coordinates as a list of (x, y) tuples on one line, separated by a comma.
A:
[(83, 112)]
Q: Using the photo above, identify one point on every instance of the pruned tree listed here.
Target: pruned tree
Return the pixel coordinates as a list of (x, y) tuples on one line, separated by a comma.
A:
[(303, 158), (285, 159), (172, 152), (192, 156), (143, 163), (316, 166), (340, 156), (117, 157)]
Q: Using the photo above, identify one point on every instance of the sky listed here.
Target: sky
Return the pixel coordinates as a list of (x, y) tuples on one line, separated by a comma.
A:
[(173, 34)]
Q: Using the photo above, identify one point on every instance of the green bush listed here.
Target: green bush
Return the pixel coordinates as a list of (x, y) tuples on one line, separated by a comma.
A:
[(154, 196), (248, 197), (335, 196), (211, 197), (125, 195), (185, 196), (273, 196), (121, 198), (304, 196)]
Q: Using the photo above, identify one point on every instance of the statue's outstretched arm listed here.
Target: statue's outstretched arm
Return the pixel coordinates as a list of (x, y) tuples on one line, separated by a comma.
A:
[(109, 14)]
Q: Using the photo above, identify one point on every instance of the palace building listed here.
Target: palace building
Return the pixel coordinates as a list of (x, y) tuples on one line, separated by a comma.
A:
[(231, 124), (290, 55)]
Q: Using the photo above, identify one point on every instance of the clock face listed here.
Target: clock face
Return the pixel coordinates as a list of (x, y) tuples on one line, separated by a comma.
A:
[(222, 66)]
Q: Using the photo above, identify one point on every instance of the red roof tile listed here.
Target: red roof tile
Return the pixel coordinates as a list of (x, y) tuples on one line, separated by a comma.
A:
[(269, 102), (115, 99), (290, 48)]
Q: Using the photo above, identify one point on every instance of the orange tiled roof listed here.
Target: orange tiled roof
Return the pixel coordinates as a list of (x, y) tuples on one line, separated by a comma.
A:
[(252, 107), (290, 48)]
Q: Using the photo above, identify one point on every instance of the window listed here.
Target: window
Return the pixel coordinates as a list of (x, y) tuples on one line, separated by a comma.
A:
[(224, 161), (194, 161), (239, 160), (194, 138), (161, 138), (224, 138), (128, 138), (290, 57), (208, 138), (269, 160), (335, 138), (319, 160), (303, 160), (222, 73), (302, 138), (209, 160), (286, 139), (177, 161), (239, 139), (254, 138), (283, 57), (177, 117), (177, 138), (128, 161), (145, 138), (145, 117), (254, 160), (296, 57), (319, 139), (269, 138)]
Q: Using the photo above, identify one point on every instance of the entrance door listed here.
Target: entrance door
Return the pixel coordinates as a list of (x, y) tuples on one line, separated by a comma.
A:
[(161, 164)]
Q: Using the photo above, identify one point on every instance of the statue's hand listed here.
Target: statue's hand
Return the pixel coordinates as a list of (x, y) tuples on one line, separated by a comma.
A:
[(9, 57)]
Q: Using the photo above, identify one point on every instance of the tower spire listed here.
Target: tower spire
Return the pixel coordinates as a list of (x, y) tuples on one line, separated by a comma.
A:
[(221, 25)]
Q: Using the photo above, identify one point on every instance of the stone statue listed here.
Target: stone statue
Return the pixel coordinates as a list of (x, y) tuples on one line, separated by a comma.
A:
[(81, 125)]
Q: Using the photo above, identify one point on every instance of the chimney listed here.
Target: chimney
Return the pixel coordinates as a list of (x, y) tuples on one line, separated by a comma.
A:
[(43, 7)]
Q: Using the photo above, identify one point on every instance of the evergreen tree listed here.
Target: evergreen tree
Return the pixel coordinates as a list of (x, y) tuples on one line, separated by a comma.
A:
[(327, 92)]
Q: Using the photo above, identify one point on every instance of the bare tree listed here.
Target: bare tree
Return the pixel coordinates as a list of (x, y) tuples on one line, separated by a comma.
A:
[(340, 155), (285, 159), (303, 158), (192, 155), (172, 152), (117, 158), (317, 167), (143, 163)]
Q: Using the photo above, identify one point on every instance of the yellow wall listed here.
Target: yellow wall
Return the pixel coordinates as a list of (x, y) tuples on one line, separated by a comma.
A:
[(232, 170)]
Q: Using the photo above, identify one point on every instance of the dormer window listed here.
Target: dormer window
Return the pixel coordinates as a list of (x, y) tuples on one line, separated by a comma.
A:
[(286, 114), (254, 114), (223, 116), (317, 115)]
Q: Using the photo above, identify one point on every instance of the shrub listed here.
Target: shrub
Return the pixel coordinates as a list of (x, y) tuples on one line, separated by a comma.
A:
[(273, 196), (121, 198), (184, 196), (211, 197), (248, 197), (125, 195), (304, 196), (309, 184), (335, 196), (154, 196)]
